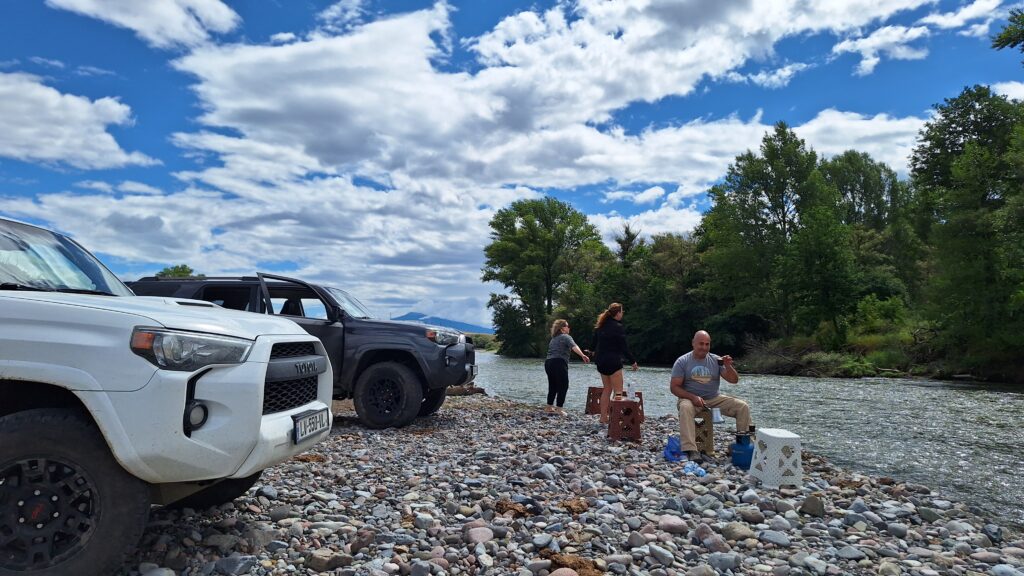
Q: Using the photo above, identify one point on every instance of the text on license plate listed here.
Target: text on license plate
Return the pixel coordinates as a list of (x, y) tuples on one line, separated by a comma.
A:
[(310, 424)]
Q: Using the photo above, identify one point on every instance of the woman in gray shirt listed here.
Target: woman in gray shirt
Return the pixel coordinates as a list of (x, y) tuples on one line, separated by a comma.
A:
[(557, 364)]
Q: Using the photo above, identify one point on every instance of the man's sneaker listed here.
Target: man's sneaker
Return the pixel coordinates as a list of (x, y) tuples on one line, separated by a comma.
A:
[(694, 456)]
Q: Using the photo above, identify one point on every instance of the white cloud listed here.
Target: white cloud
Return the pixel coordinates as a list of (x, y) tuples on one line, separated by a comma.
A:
[(1012, 89), (892, 41), (283, 38), (132, 187), (647, 196), (887, 139), (9, 63), (617, 195), (985, 10), (779, 77), (161, 23), (46, 126), (95, 185), (650, 195), (127, 186), (46, 62), (342, 14), (93, 71)]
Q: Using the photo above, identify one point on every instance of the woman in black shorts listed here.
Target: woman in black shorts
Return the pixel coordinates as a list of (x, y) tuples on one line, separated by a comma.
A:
[(609, 348), (557, 365)]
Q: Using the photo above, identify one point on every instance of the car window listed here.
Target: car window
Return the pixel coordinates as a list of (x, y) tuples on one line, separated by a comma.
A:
[(233, 297), (304, 307)]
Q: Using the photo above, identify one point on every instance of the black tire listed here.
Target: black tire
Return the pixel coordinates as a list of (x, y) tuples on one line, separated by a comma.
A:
[(66, 505), (216, 494), (432, 401), (387, 394)]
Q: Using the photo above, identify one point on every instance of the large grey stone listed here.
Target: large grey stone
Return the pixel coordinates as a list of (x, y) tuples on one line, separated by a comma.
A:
[(235, 564), (724, 561), (661, 555), (774, 537), (737, 531), (813, 506), (673, 524), (850, 553)]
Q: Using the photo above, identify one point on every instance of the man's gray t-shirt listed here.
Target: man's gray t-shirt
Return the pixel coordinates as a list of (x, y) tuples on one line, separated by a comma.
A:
[(700, 377), (561, 346)]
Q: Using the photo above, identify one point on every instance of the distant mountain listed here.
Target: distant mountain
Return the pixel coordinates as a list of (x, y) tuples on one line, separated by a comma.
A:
[(435, 321)]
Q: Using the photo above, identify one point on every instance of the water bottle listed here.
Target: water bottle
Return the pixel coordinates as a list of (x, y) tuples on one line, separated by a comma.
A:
[(743, 450), (629, 390), (693, 468)]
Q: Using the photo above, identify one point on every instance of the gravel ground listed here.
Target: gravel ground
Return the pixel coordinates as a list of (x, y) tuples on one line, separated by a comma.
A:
[(489, 486)]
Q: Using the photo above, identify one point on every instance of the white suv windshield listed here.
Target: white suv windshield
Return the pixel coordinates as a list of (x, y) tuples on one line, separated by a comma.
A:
[(353, 307), (35, 259)]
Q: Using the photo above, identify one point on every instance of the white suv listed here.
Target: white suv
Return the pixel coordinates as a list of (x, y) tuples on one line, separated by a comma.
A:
[(111, 402)]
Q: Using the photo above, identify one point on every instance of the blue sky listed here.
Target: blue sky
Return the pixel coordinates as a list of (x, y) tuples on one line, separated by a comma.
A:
[(366, 144)]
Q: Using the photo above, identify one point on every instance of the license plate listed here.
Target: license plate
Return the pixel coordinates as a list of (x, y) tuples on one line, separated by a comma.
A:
[(310, 423)]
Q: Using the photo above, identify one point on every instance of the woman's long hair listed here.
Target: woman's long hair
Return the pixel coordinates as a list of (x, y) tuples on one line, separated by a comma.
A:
[(557, 325), (613, 309)]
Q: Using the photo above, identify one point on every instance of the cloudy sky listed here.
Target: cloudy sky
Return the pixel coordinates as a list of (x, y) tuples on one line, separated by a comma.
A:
[(367, 143)]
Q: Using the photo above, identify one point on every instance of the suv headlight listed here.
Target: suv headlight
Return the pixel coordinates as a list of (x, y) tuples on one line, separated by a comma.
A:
[(187, 351), (445, 337)]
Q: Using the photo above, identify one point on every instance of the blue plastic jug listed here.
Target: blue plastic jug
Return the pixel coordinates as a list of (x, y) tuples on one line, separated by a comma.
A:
[(743, 451)]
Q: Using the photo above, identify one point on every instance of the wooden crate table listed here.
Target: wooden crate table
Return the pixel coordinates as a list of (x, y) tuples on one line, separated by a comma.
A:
[(624, 420)]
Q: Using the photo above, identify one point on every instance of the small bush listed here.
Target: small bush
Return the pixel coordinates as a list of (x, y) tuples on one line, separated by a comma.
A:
[(485, 342), (874, 315), (836, 364)]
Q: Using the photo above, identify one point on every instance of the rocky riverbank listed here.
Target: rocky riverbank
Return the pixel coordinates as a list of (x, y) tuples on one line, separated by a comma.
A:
[(489, 486)]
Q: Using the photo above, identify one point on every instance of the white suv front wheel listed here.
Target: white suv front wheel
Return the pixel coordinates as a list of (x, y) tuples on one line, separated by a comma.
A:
[(66, 506)]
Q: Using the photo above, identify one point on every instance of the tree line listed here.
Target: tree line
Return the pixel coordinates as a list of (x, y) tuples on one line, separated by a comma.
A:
[(803, 264)]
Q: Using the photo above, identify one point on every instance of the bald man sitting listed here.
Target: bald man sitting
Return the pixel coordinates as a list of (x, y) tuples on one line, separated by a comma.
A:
[(696, 377)]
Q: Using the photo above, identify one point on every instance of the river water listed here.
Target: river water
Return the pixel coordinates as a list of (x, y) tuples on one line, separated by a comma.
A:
[(963, 440)]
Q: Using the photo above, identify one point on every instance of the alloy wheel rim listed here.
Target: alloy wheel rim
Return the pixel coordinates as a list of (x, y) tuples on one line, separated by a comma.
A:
[(50, 510), (386, 396)]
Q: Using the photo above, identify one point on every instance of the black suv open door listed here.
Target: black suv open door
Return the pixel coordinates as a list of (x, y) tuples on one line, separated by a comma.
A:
[(305, 305)]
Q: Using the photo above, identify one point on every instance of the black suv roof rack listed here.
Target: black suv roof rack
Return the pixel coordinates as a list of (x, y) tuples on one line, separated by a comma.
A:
[(199, 278)]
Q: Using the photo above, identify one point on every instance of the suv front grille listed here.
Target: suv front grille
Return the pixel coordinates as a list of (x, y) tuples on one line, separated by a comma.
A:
[(291, 349), (288, 394)]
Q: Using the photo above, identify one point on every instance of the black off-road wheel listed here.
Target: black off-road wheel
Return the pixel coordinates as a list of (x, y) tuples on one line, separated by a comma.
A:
[(432, 401), (387, 394), (216, 494), (66, 505)]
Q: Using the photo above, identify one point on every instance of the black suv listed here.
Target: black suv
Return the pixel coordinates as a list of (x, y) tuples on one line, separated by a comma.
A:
[(393, 371)]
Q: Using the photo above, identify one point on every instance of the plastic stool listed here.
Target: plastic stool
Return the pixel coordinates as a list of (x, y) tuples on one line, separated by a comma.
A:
[(776, 460), (705, 431), (624, 420), (593, 400)]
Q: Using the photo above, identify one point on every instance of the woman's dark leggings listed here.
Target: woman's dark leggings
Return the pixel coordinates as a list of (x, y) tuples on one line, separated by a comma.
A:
[(558, 380)]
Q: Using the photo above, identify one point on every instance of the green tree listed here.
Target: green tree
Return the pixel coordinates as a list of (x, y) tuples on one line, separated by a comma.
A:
[(1012, 35), (746, 233), (178, 271), (822, 263), (512, 328), (628, 241), (533, 244), (877, 206), (866, 188), (977, 115), (976, 187)]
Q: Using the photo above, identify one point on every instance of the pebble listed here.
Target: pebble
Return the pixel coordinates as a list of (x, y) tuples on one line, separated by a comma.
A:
[(490, 486)]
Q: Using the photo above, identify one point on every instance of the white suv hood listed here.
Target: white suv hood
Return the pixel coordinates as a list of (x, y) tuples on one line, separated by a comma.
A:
[(177, 313)]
